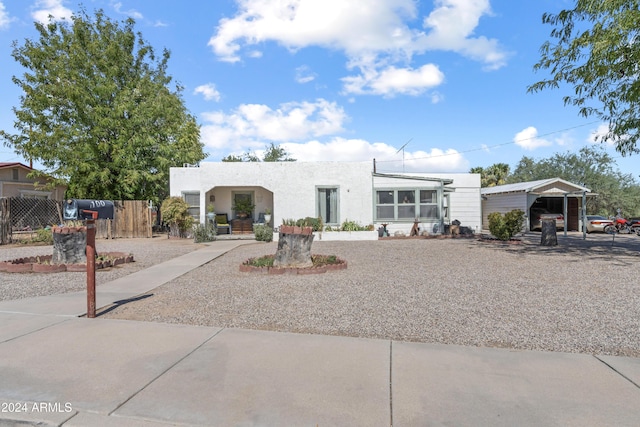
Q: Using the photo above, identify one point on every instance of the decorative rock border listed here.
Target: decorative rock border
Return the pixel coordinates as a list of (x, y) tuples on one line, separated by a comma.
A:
[(42, 264), (340, 265)]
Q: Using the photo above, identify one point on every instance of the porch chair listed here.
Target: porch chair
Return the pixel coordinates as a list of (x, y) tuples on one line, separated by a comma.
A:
[(222, 222)]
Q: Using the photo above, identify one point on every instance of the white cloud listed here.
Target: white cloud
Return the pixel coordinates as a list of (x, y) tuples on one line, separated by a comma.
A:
[(392, 81), (451, 26), (250, 125), (528, 139), (374, 35), (297, 127), (597, 135), (304, 74), (117, 6), (5, 20), (44, 8), (208, 91)]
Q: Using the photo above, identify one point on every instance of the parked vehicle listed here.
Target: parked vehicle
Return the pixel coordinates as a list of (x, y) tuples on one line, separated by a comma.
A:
[(538, 214), (597, 223), (620, 225)]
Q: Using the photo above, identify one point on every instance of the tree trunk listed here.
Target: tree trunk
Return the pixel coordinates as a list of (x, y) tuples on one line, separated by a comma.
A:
[(294, 247), (69, 245), (549, 236)]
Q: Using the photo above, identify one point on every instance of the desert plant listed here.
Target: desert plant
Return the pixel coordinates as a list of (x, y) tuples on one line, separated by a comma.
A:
[(43, 235), (263, 232), (314, 223), (175, 212), (506, 226), (204, 233), (354, 226)]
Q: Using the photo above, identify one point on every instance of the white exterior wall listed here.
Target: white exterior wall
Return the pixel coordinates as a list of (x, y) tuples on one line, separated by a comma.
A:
[(504, 203), (289, 186), (289, 189), (464, 202)]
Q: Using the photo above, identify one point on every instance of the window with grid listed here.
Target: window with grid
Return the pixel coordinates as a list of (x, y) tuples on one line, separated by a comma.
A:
[(406, 204), (193, 200)]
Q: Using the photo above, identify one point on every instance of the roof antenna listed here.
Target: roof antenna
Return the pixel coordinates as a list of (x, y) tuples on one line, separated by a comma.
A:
[(402, 148)]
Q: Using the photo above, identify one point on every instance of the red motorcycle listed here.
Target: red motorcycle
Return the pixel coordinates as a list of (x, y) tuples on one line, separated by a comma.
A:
[(621, 225)]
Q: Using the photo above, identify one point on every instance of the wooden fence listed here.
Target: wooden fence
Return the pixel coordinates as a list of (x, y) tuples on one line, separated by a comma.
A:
[(5, 221), (132, 218)]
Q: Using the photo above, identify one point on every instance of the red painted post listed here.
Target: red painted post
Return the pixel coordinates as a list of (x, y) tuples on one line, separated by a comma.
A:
[(91, 264)]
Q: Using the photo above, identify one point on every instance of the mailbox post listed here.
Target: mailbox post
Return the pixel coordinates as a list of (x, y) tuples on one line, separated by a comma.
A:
[(91, 263), (89, 210)]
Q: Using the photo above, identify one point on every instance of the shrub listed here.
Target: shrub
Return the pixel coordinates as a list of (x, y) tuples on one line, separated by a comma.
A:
[(263, 233), (43, 235), (175, 212), (506, 226), (204, 233)]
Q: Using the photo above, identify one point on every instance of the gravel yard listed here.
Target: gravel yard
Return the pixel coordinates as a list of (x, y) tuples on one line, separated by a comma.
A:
[(145, 254), (569, 298)]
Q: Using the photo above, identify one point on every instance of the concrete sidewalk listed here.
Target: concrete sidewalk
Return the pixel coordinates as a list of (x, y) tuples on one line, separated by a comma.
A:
[(58, 369)]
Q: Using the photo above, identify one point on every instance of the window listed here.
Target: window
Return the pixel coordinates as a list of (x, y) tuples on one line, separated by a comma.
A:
[(245, 198), (428, 204), (406, 205), (16, 174), (193, 200), (327, 204)]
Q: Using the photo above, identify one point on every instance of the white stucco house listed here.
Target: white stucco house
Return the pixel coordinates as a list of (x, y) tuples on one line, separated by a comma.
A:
[(335, 191)]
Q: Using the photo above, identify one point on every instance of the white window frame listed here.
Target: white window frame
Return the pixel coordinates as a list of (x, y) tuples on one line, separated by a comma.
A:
[(194, 209), (398, 206), (35, 194), (319, 213)]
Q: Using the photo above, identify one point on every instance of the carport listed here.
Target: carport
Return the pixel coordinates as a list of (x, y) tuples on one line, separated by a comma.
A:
[(553, 194)]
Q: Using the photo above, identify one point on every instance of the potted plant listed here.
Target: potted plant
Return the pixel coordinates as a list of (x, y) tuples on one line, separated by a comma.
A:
[(211, 212), (267, 215), (243, 207)]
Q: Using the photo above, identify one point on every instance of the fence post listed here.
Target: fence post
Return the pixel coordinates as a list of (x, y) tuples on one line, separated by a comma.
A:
[(5, 221)]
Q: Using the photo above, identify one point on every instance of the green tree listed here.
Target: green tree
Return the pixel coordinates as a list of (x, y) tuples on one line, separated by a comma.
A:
[(272, 153), (591, 167), (496, 174), (98, 111), (594, 48)]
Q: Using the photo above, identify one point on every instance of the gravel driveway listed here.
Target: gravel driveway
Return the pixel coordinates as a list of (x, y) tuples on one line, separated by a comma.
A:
[(576, 297)]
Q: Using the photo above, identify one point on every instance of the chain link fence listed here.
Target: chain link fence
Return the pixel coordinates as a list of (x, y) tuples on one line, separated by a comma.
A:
[(20, 215), (28, 214)]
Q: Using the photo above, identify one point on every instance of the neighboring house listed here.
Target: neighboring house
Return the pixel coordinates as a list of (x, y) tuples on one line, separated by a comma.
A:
[(335, 191), (15, 183), (555, 195)]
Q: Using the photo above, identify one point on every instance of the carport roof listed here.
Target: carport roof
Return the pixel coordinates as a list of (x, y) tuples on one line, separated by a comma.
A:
[(555, 186)]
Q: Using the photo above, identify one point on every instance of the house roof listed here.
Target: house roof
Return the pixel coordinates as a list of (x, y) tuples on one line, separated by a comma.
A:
[(12, 165), (543, 186), (445, 181)]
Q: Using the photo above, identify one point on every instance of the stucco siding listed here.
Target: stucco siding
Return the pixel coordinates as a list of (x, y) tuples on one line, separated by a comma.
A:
[(293, 185), (290, 189)]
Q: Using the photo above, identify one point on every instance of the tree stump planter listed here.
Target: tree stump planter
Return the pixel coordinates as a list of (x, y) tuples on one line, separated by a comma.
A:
[(294, 247), (69, 245), (549, 236)]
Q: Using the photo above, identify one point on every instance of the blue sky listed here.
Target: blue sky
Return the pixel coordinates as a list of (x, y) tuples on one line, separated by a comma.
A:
[(347, 80)]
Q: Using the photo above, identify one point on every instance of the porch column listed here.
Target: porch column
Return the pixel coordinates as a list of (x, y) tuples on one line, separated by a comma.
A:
[(584, 215), (565, 214)]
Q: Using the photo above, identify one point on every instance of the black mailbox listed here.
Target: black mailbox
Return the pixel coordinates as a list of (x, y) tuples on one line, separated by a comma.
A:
[(74, 209)]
